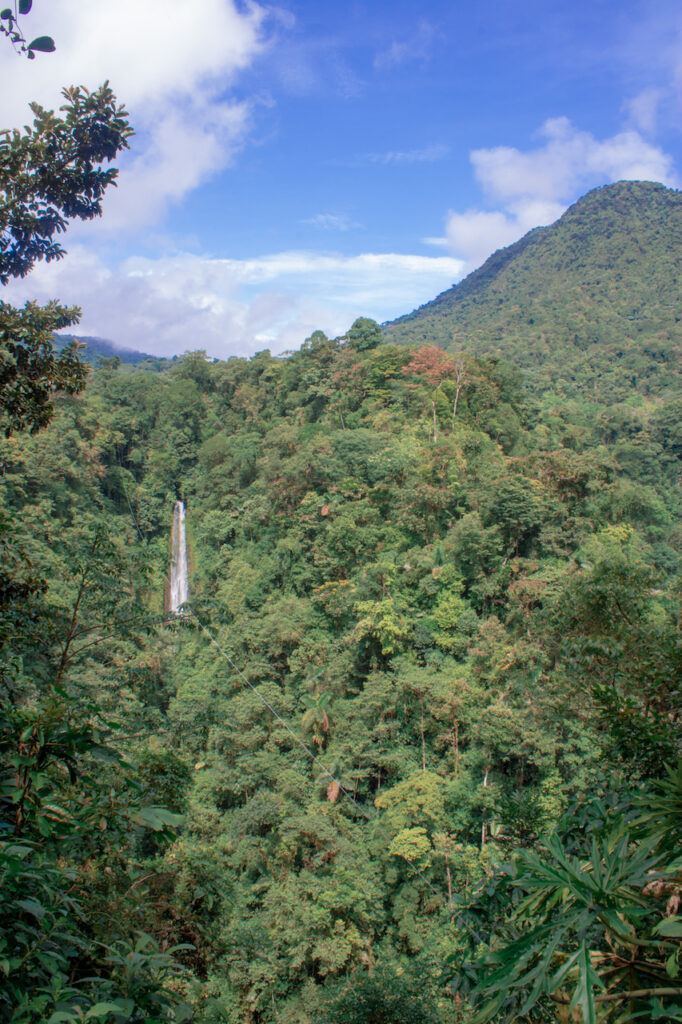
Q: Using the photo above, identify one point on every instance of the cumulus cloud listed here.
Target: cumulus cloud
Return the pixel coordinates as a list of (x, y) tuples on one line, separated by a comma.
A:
[(567, 160), (534, 187), (475, 234), (170, 62), (235, 307)]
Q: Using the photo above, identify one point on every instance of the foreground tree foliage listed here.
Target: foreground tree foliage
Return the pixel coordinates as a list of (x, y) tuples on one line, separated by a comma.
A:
[(31, 371), (417, 722), (12, 26), (51, 172), (598, 929)]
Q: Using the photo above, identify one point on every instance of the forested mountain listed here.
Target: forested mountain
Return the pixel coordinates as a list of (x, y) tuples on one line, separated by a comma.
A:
[(409, 753), (93, 350), (591, 302), (433, 619)]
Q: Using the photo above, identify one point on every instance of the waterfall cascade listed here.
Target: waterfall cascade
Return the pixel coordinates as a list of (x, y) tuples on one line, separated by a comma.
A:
[(178, 591)]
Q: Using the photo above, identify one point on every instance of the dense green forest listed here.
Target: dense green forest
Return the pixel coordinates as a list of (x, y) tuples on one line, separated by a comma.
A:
[(410, 753), (589, 302)]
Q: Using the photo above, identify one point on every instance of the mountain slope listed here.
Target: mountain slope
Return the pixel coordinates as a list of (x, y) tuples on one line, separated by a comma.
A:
[(594, 297), (95, 349)]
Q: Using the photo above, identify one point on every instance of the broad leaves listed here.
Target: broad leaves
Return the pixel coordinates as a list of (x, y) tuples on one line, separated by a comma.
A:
[(45, 44), (589, 928)]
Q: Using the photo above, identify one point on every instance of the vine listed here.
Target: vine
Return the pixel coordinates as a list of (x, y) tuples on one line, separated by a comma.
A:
[(9, 26)]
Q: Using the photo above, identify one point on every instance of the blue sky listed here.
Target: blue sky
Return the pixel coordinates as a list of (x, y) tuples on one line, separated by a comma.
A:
[(298, 165)]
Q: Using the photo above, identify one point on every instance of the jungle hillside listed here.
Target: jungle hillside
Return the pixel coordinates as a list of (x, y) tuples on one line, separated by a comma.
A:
[(592, 300), (342, 684), (410, 752)]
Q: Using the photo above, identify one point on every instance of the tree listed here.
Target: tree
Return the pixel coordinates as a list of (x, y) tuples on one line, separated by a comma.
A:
[(515, 511), (364, 334), (50, 173), (316, 717), (31, 371), (53, 171), (437, 367), (66, 799), (595, 931), (389, 995), (461, 377)]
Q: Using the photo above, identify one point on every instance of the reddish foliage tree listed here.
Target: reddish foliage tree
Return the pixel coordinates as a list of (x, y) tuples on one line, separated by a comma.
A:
[(435, 367), (431, 363)]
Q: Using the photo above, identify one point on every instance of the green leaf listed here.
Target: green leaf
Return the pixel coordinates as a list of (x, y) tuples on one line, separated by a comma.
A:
[(488, 1011), (584, 990), (105, 754), (665, 1013), (32, 907), (102, 1009), (558, 978), (157, 818), (44, 44), (61, 1016), (7, 14), (671, 927), (25, 6)]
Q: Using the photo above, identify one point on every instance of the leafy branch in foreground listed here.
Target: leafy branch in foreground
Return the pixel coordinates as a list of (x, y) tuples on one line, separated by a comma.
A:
[(53, 171), (50, 172), (9, 26), (31, 371), (596, 933)]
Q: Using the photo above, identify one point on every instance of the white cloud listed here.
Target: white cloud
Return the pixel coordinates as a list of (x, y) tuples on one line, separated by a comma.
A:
[(642, 109), (427, 155), (417, 47), (332, 222), (170, 62), (235, 307), (535, 186), (477, 233), (568, 160)]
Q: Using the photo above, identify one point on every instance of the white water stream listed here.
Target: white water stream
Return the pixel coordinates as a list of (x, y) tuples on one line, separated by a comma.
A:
[(179, 583)]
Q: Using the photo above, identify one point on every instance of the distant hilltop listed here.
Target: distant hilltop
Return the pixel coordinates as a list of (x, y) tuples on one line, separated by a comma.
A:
[(597, 293), (96, 349)]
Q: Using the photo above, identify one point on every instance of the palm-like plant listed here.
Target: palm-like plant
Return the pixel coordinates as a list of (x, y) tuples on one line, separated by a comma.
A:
[(598, 934), (316, 717)]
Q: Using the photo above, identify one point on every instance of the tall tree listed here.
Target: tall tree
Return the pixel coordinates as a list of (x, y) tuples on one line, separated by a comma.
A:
[(50, 173)]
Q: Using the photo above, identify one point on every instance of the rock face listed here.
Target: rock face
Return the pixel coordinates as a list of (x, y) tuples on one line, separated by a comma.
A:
[(598, 294)]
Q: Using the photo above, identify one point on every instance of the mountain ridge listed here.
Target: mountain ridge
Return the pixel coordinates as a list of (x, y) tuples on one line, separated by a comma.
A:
[(599, 289), (100, 348)]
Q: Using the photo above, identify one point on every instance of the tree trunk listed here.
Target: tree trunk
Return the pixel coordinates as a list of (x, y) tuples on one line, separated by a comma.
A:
[(448, 877), (458, 392), (455, 743)]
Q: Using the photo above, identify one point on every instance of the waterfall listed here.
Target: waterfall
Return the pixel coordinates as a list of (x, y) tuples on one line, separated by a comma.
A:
[(178, 592)]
